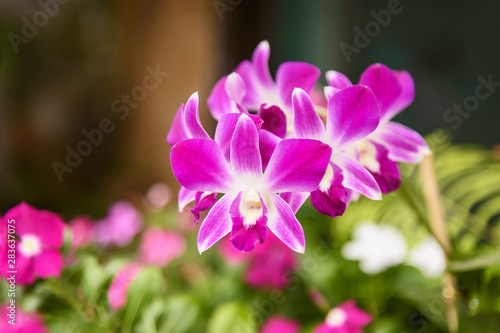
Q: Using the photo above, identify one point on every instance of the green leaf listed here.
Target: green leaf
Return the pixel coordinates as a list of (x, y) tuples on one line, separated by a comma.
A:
[(233, 318)]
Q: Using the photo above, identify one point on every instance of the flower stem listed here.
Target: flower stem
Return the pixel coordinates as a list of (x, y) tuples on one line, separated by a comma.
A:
[(437, 223)]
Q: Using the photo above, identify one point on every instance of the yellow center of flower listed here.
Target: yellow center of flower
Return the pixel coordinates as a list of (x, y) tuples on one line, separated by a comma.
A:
[(336, 317), (251, 207), (368, 155), (30, 245), (326, 182)]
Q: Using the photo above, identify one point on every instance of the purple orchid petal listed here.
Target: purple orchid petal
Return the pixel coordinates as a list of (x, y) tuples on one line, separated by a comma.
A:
[(216, 225), (384, 84), (403, 143), (283, 223), (337, 80), (253, 98), (235, 87), (331, 201), (192, 118), (178, 131), (352, 115), (245, 155), (260, 60), (295, 199), (267, 144), (405, 98), (356, 177), (329, 92), (203, 201), (307, 123), (185, 197), (297, 165), (199, 165), (388, 177), (225, 130), (245, 236), (219, 102), (274, 120), (291, 75)]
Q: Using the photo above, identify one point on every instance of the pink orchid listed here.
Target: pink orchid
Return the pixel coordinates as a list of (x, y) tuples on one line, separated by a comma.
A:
[(159, 247), (117, 292), (390, 142), (250, 205), (253, 87), (279, 324), (39, 236), (120, 226), (345, 318), (24, 322), (352, 114)]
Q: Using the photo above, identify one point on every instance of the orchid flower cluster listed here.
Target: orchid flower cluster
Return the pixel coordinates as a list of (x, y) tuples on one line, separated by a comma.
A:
[(278, 142)]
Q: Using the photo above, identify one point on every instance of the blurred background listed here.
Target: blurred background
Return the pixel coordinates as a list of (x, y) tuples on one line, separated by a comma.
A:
[(67, 67)]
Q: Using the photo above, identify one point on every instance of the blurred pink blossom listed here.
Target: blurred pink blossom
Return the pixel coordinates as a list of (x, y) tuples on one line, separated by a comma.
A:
[(345, 318), (82, 231), (39, 236), (159, 247), (279, 324), (120, 226), (24, 322), (117, 292)]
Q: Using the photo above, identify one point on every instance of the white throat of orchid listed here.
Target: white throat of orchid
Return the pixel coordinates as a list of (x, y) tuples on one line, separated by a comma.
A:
[(368, 155), (326, 182), (336, 317), (251, 207), (30, 245)]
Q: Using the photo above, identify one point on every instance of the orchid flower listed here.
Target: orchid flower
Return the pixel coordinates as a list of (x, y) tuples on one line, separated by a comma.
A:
[(391, 142), (250, 205), (252, 87), (345, 318), (352, 114), (187, 125), (39, 237)]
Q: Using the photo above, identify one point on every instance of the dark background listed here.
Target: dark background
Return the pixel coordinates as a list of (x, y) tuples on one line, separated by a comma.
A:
[(64, 79)]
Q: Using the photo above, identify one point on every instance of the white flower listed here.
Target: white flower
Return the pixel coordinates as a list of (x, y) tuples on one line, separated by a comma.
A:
[(428, 256), (376, 246)]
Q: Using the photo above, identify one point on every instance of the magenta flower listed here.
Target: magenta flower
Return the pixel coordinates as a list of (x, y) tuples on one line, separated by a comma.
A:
[(352, 114), (279, 324), (250, 205), (271, 265), (159, 247), (120, 226), (39, 236), (390, 142), (117, 292), (82, 231), (24, 322), (345, 318), (253, 87)]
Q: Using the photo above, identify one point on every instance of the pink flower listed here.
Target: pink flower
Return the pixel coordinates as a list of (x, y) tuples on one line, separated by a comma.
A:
[(159, 247), (39, 235), (117, 292), (120, 226), (82, 231), (24, 322), (231, 254), (345, 318), (279, 324), (271, 265)]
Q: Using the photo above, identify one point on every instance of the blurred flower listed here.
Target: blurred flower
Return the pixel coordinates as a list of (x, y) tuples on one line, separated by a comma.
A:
[(82, 231), (345, 318), (279, 324), (117, 292), (159, 247), (428, 256), (40, 235), (24, 322), (231, 254), (271, 265), (120, 226), (377, 247), (158, 196)]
